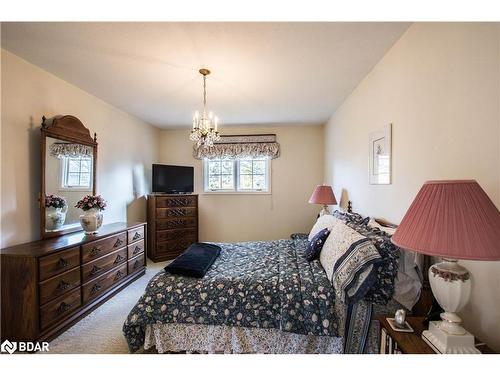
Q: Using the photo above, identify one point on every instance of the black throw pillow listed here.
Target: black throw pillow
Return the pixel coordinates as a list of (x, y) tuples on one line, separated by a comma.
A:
[(316, 244), (195, 261)]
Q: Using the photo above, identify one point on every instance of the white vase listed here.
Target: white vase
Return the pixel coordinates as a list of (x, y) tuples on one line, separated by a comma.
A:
[(55, 217), (91, 221)]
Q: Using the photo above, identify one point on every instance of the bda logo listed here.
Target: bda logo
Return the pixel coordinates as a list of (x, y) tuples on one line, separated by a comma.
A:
[(8, 347)]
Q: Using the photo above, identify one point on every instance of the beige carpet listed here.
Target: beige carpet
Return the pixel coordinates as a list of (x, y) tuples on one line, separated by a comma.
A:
[(101, 330)]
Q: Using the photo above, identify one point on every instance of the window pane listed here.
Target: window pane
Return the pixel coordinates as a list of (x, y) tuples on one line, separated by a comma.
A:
[(227, 167), (245, 167), (85, 165), (73, 179), (85, 179), (214, 183), (259, 182), (228, 182), (246, 182), (259, 167), (214, 167), (73, 165)]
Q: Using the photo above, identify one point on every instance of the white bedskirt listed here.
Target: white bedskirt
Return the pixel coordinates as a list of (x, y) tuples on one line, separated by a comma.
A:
[(178, 337)]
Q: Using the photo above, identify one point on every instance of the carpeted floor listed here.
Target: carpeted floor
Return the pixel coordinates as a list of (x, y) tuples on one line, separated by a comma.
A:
[(101, 330)]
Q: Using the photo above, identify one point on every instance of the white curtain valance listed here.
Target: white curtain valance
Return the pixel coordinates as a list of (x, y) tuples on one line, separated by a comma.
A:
[(61, 150), (240, 146)]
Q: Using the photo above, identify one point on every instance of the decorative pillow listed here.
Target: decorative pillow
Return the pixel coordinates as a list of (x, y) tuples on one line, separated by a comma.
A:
[(374, 224), (348, 258), (351, 217), (316, 244), (325, 221)]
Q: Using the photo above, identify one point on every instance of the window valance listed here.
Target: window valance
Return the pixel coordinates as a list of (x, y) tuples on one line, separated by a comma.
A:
[(61, 150), (240, 146)]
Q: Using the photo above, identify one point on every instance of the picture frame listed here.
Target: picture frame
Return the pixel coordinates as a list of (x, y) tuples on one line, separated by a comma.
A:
[(380, 156)]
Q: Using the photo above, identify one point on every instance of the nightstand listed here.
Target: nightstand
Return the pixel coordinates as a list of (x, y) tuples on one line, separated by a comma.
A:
[(392, 342)]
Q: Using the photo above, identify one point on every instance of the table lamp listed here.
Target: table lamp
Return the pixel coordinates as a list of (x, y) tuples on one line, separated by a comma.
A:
[(323, 194), (451, 220)]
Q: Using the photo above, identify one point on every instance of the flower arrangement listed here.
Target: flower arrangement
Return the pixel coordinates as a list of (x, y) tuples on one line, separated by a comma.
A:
[(55, 201), (90, 202)]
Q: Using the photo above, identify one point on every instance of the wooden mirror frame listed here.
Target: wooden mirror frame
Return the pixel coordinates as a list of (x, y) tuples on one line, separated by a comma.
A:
[(71, 129)]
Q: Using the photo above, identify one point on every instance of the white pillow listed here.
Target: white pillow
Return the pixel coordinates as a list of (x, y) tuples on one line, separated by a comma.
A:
[(325, 221), (373, 223)]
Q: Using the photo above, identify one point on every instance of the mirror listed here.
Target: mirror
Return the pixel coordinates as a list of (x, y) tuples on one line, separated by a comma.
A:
[(68, 173)]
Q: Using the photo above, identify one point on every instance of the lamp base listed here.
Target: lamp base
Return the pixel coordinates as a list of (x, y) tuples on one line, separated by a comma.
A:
[(325, 210), (443, 342)]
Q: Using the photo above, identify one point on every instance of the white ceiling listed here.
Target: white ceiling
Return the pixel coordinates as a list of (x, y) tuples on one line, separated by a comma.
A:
[(262, 73)]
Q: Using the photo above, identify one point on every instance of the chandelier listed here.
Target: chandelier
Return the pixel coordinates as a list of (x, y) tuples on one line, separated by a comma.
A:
[(204, 131)]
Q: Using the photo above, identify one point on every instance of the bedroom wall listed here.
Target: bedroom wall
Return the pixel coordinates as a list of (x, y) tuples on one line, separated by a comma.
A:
[(439, 86), (245, 217), (127, 148)]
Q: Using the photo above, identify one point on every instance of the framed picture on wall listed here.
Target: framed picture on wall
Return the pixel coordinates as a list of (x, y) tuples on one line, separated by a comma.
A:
[(380, 156)]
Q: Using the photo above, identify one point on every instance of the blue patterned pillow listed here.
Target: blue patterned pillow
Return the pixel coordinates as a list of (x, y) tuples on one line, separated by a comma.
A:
[(316, 244)]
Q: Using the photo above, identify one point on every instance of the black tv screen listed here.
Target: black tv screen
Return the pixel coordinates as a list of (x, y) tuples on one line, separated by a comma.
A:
[(172, 179)]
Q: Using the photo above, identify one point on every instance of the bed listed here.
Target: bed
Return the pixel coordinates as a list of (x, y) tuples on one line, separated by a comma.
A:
[(264, 297)]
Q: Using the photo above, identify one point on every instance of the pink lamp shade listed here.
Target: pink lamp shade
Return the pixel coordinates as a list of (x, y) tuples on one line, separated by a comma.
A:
[(453, 220), (323, 194)]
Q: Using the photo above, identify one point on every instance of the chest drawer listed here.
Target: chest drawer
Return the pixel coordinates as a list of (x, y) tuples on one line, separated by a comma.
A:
[(100, 266), (55, 264), (190, 201), (58, 285), (173, 234), (135, 249), (98, 286), (165, 213), (64, 305), (136, 264), (176, 246), (135, 234), (176, 223), (96, 249)]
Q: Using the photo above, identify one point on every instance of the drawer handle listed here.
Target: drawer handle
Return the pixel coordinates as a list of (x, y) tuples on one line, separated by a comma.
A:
[(118, 243), (95, 270), (118, 275), (137, 249), (136, 264), (118, 259), (95, 251), (63, 307), (62, 263), (63, 285), (95, 288), (137, 235)]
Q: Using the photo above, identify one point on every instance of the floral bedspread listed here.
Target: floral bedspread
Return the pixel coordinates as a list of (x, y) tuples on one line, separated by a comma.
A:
[(253, 284)]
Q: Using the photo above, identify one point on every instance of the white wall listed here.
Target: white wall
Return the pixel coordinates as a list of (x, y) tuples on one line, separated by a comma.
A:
[(127, 148), (246, 217), (439, 86)]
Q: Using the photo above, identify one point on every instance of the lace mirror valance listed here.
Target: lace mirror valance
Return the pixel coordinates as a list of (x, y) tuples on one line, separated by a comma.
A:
[(240, 146), (61, 150)]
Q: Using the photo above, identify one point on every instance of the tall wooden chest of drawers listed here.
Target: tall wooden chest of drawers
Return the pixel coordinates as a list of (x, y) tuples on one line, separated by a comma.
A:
[(172, 224), (50, 284)]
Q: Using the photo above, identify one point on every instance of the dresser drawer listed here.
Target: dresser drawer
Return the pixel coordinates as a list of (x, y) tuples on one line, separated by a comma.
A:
[(175, 246), (162, 213), (62, 261), (100, 266), (190, 201), (176, 223), (135, 249), (96, 249), (58, 285), (135, 234), (136, 264), (64, 305), (98, 286), (174, 234)]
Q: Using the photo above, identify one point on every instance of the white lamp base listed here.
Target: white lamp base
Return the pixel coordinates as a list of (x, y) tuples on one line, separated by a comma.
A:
[(442, 342)]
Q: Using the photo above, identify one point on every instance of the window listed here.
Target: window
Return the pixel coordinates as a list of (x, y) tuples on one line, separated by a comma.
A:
[(77, 172), (237, 175)]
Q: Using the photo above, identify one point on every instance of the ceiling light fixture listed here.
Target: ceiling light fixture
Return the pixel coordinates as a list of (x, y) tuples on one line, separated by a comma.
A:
[(204, 131)]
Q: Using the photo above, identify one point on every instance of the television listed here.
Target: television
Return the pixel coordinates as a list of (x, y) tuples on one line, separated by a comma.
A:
[(172, 179)]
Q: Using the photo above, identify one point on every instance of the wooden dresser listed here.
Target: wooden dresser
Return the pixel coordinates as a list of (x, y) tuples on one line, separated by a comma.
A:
[(172, 225), (50, 284)]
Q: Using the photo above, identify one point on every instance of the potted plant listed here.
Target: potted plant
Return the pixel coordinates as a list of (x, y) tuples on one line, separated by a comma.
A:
[(55, 212), (92, 205)]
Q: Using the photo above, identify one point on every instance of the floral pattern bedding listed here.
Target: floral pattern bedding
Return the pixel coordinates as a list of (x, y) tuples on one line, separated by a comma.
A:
[(254, 284)]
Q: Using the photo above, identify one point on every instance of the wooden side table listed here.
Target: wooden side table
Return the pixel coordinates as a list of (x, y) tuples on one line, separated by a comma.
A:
[(410, 343)]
